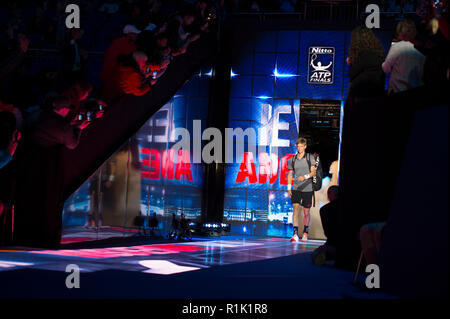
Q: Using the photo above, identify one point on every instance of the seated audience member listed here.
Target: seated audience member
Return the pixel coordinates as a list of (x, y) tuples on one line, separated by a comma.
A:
[(128, 78), (370, 236), (404, 61), (366, 54), (124, 45), (329, 215), (54, 128), (9, 137)]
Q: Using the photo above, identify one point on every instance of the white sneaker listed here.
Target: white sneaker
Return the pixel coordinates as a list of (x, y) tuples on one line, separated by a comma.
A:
[(305, 237), (295, 238)]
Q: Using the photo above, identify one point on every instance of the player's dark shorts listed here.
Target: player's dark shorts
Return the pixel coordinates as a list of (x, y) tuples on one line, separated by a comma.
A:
[(302, 198)]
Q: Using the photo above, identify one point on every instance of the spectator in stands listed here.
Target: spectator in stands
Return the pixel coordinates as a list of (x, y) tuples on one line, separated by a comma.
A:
[(404, 62), (125, 45), (9, 137), (128, 78), (53, 127), (366, 54), (77, 93), (157, 50), (329, 215), (436, 48), (74, 57), (179, 38)]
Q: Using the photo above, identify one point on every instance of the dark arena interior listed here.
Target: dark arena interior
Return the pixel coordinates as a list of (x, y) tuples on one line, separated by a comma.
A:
[(224, 157)]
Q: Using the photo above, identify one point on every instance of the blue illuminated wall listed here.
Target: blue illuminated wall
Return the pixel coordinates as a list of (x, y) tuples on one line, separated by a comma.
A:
[(270, 75), (171, 193)]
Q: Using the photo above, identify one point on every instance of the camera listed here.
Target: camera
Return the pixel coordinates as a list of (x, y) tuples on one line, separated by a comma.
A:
[(90, 111)]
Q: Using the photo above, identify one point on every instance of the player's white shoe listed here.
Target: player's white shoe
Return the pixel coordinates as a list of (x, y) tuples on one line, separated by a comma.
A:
[(305, 237), (295, 238)]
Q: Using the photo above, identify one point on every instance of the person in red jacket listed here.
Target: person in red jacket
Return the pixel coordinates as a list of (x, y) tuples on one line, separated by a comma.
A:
[(124, 45), (128, 78)]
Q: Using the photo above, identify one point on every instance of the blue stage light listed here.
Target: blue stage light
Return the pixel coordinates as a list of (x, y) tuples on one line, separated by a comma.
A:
[(232, 74), (282, 75)]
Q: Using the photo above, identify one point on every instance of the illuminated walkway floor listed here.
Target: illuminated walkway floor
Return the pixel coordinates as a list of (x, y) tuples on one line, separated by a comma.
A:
[(176, 256), (220, 268)]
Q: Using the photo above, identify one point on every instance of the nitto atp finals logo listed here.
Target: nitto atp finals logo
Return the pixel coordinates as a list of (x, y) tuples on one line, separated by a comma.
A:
[(321, 65)]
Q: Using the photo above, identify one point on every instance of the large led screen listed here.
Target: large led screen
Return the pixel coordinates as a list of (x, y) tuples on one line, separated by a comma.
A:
[(144, 180), (283, 83)]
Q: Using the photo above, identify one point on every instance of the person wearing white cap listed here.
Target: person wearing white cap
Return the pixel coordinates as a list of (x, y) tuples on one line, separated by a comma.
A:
[(124, 45), (131, 30)]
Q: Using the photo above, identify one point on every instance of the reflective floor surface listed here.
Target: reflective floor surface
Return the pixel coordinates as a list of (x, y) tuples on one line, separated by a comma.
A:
[(163, 259), (205, 268)]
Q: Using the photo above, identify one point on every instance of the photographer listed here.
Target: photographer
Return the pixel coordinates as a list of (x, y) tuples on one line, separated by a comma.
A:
[(77, 93), (54, 128)]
